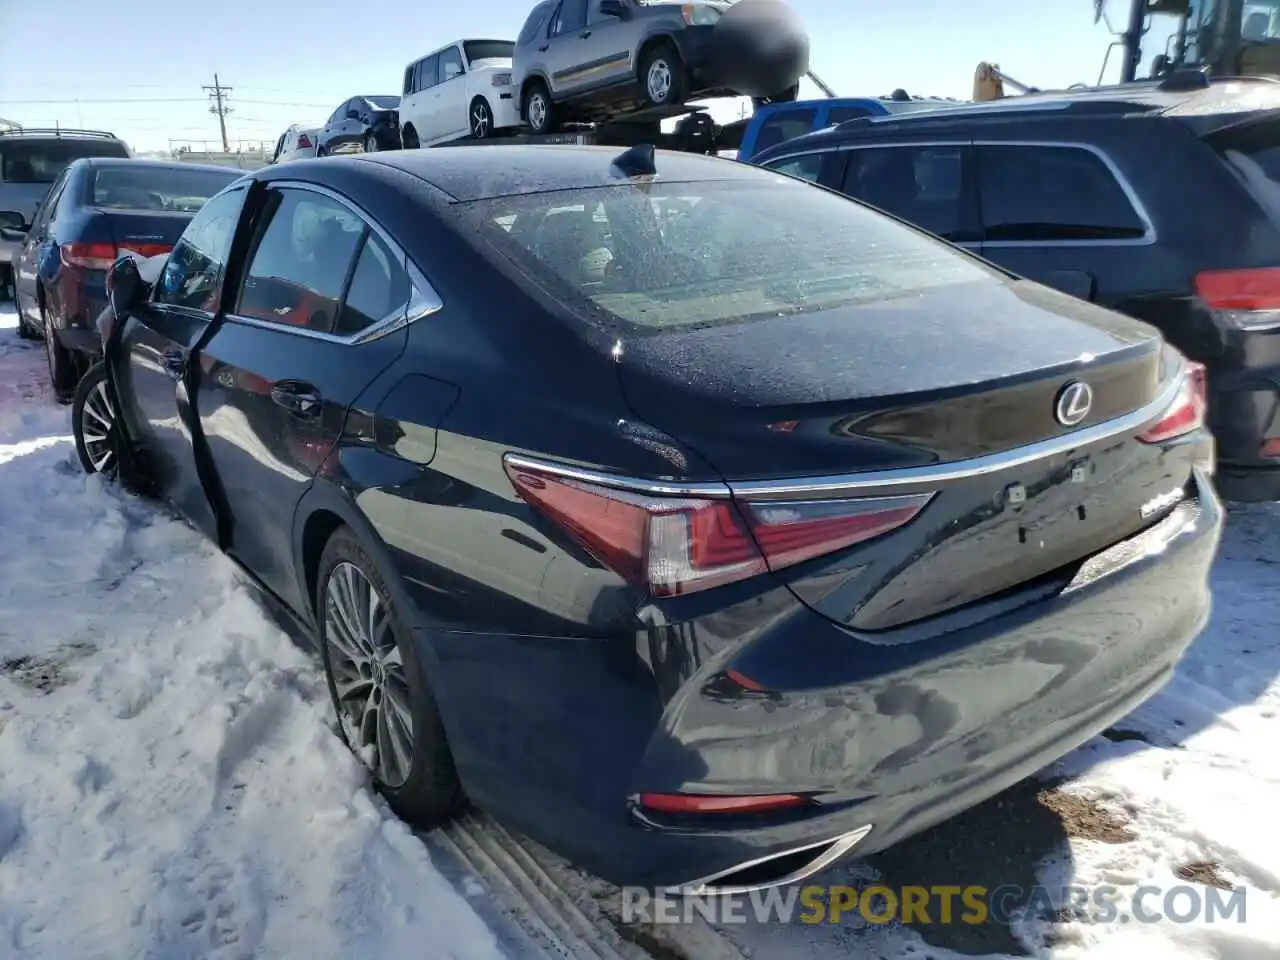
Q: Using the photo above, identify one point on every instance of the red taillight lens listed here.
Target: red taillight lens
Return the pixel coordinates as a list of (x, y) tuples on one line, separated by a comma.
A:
[(304, 142), (718, 803), (1245, 299), (1186, 413), (674, 546), (88, 256)]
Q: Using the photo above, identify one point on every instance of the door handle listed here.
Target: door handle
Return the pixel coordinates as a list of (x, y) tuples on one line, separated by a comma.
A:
[(175, 363), (584, 35), (300, 399), (544, 48)]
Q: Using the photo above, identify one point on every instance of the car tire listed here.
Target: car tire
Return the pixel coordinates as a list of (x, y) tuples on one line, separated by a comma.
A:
[(409, 139), (480, 119), (383, 681), (371, 144), (663, 77), (539, 110), (93, 423), (62, 366), (25, 330)]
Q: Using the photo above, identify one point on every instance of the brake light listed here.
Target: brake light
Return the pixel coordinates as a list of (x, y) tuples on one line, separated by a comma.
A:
[(1186, 412), (304, 142), (718, 803), (88, 256), (671, 546), (1246, 299)]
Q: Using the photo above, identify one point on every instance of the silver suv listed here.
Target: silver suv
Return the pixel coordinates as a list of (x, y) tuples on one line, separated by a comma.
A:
[(589, 60), (30, 161)]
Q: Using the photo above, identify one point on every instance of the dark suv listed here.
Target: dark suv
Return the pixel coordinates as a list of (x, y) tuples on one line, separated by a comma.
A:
[(1161, 200)]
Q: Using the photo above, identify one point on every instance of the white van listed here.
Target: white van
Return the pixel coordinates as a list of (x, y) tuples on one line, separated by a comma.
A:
[(463, 89)]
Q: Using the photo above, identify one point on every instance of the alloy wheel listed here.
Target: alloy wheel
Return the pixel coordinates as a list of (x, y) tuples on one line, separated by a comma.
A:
[(97, 429), (481, 121), (537, 111), (659, 81), (369, 679), (371, 144)]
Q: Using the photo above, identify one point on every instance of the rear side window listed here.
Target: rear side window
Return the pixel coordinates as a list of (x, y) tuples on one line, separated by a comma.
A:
[(156, 188), (300, 260), (380, 288), (41, 161), (1046, 193), (783, 125), (662, 255), (923, 185), (808, 167), (193, 272)]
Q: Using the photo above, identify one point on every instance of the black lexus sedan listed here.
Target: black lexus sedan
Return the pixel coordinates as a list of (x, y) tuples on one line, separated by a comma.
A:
[(694, 520)]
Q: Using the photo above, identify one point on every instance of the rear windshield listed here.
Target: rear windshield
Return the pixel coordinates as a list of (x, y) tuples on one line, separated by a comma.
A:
[(663, 255), (488, 50), (41, 161), (157, 188)]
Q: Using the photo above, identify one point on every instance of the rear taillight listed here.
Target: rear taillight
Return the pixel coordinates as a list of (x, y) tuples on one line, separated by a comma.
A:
[(672, 546), (304, 142), (1186, 412), (1244, 299), (88, 256)]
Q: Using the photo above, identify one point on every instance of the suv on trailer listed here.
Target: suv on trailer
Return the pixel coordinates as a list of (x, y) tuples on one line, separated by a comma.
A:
[(589, 60), (30, 161), (1160, 199)]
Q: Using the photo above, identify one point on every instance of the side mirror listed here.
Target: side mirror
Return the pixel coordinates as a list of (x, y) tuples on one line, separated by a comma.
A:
[(353, 114), (12, 219), (125, 286), (614, 8)]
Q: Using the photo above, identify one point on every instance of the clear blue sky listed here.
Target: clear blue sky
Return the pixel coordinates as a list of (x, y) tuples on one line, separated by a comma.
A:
[(295, 60)]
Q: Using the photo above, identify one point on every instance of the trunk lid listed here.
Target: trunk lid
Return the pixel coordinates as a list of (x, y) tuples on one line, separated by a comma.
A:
[(973, 371), (143, 231)]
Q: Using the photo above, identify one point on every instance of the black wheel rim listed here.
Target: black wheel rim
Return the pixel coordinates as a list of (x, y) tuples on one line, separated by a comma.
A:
[(369, 680), (481, 121)]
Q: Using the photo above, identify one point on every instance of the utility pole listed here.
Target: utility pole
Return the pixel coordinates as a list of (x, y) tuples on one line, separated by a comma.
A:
[(218, 93)]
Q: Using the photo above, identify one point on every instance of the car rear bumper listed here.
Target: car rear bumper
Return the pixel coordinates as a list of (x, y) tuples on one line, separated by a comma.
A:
[(1244, 414), (895, 736)]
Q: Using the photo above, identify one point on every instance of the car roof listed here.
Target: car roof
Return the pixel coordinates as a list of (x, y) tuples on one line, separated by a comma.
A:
[(42, 133), (485, 171), (1204, 105)]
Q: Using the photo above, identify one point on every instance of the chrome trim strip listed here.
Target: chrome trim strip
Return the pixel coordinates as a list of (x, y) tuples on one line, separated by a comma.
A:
[(836, 847), (423, 299), (1148, 237), (874, 482)]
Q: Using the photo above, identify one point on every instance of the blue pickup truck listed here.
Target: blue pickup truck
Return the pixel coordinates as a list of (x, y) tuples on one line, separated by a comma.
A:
[(782, 121)]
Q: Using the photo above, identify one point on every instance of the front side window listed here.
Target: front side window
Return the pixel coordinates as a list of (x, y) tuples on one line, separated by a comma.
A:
[(1046, 193), (663, 255), (193, 273), (45, 212), (301, 255), (808, 167), (923, 185), (841, 114), (573, 16), (41, 161)]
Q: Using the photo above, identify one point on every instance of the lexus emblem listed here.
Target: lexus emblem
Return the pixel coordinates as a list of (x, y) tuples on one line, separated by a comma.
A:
[(1073, 404)]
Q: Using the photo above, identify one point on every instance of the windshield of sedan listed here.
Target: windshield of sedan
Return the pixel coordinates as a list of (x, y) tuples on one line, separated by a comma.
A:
[(661, 255), (157, 188)]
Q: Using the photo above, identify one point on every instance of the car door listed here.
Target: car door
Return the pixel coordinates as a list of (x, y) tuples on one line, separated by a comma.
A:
[(606, 47), (153, 367), (449, 104), (1062, 215), (565, 54), (426, 111), (294, 352), (26, 264), (335, 129)]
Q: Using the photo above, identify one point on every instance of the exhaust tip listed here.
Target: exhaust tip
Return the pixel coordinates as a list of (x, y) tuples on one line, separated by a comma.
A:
[(775, 870)]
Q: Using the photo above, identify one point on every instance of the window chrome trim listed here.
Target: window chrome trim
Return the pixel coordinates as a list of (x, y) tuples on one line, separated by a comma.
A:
[(423, 300), (1135, 202), (874, 482)]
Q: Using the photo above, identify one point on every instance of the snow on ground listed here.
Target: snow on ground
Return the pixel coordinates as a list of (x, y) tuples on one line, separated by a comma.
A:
[(170, 788)]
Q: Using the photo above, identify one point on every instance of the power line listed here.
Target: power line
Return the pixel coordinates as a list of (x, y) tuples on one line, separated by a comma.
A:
[(118, 100)]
